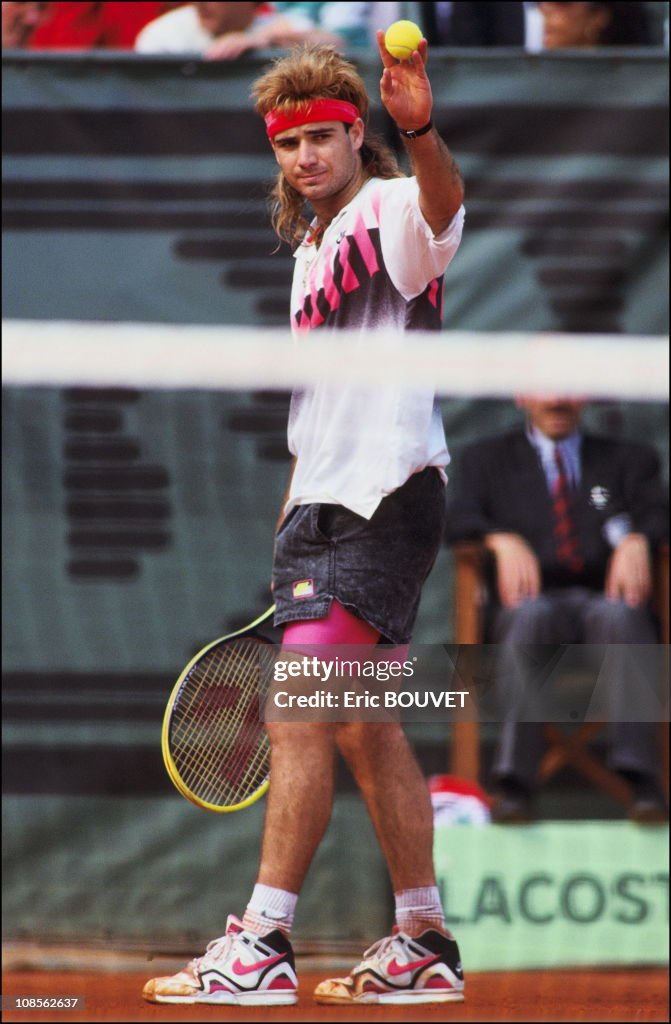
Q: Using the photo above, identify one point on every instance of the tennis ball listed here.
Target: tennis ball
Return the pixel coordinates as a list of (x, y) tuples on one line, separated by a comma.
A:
[(402, 38)]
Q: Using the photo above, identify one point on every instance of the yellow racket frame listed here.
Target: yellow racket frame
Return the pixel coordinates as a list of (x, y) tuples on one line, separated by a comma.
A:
[(168, 761)]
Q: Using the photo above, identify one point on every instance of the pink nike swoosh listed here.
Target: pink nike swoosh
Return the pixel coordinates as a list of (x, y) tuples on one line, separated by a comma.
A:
[(239, 968), (395, 968)]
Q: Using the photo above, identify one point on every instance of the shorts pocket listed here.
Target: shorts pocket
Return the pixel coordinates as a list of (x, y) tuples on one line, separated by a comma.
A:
[(288, 519), (336, 523)]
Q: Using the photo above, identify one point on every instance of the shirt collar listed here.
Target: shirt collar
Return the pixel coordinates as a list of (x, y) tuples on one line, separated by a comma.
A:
[(546, 447), (569, 448), (308, 243)]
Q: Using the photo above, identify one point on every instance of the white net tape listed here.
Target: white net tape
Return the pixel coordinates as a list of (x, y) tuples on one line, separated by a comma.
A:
[(454, 363)]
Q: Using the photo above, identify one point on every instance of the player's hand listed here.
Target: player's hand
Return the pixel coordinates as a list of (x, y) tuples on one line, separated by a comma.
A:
[(629, 576), (518, 572), (405, 89)]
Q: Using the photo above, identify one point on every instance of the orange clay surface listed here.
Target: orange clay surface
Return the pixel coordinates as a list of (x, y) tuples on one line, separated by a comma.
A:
[(563, 995)]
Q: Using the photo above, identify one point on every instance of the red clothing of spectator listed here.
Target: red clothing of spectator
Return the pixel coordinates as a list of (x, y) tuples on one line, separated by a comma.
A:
[(85, 26)]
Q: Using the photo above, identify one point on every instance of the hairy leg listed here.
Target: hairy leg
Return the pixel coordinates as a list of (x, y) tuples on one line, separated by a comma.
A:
[(302, 764), (300, 798), (396, 796)]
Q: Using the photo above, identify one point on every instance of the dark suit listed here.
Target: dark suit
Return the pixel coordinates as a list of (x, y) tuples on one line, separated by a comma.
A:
[(499, 485), (474, 24)]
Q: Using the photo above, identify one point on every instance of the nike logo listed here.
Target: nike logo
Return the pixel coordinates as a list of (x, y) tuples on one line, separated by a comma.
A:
[(395, 968), (239, 968)]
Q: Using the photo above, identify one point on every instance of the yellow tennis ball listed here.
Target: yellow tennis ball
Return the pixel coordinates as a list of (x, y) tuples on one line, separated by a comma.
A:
[(402, 38)]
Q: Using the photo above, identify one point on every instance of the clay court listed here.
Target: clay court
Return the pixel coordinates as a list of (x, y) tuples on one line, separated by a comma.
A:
[(577, 995)]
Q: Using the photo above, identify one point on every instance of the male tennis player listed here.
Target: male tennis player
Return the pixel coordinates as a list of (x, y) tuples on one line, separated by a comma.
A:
[(362, 521)]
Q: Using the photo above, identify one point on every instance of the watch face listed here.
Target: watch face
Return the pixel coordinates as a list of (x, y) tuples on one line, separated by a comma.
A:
[(412, 134), (599, 497)]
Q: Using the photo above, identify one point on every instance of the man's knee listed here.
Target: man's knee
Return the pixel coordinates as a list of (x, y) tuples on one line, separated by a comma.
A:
[(364, 738), (609, 621), (532, 621), (300, 735)]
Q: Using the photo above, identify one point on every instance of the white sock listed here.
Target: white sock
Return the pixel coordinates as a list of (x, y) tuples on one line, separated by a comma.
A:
[(268, 909), (418, 910)]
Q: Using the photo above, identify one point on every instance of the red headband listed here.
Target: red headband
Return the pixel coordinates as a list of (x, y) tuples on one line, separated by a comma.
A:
[(316, 110)]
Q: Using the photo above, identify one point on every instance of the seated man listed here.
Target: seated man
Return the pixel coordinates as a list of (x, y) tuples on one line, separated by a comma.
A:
[(89, 26), (570, 519), (224, 31)]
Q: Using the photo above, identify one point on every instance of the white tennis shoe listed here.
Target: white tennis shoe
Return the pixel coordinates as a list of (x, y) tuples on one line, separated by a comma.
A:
[(239, 968), (400, 969)]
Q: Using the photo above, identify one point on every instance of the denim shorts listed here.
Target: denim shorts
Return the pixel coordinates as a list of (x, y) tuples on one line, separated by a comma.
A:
[(374, 567)]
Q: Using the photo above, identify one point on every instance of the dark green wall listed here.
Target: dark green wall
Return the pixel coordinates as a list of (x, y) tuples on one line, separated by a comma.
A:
[(138, 525)]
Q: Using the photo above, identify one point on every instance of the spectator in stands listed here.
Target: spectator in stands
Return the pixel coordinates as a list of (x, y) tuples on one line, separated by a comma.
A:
[(350, 22), (224, 31), (595, 24), (473, 24), (86, 26), (20, 21), (569, 519)]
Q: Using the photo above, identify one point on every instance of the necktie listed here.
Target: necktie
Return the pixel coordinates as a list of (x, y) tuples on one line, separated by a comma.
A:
[(567, 547)]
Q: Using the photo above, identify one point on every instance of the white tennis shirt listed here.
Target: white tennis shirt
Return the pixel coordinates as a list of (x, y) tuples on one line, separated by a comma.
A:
[(379, 265)]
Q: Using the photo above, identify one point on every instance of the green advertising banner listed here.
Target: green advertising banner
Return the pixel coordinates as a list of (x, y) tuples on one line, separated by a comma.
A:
[(556, 895)]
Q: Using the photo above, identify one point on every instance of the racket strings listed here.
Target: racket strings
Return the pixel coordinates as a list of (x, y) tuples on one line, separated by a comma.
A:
[(218, 743), (251, 756), (218, 781), (197, 701), (246, 721), (204, 688), (193, 719), (216, 777)]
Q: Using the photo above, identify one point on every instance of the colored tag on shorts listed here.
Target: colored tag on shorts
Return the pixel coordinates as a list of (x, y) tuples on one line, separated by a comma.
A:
[(303, 588)]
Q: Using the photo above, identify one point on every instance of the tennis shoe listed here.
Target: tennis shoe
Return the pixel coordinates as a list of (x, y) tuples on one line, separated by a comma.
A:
[(240, 968), (400, 969)]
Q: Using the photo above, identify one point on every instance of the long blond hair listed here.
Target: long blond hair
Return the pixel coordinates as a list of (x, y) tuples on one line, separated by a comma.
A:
[(310, 73)]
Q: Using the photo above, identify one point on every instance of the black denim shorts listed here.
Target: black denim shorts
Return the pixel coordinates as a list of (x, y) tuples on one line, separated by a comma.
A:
[(374, 567)]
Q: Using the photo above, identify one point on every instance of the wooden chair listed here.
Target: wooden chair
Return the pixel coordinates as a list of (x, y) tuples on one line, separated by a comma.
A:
[(470, 600)]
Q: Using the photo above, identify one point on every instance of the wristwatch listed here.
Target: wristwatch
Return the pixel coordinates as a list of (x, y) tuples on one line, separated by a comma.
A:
[(419, 131)]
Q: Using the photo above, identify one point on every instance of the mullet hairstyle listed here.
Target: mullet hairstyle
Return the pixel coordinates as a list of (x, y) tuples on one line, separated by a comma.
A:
[(311, 73)]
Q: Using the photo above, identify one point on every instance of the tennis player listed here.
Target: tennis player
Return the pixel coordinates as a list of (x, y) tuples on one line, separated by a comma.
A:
[(362, 520)]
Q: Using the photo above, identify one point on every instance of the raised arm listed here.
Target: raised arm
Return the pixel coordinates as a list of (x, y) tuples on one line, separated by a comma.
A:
[(405, 91)]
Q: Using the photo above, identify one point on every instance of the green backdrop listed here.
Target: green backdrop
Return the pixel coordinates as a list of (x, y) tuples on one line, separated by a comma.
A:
[(137, 525)]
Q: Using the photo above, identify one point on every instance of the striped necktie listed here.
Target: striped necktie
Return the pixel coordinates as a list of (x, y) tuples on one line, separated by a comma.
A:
[(567, 547)]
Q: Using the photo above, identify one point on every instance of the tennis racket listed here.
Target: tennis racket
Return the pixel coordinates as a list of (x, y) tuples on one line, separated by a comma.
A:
[(215, 747)]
